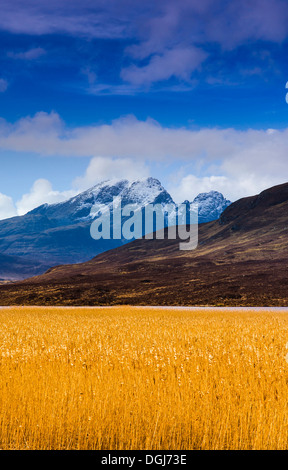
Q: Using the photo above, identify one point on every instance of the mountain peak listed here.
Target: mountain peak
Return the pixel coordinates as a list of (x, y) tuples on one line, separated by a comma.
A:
[(210, 205)]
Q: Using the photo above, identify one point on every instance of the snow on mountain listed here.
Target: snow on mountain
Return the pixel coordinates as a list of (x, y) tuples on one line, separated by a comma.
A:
[(141, 192), (210, 205)]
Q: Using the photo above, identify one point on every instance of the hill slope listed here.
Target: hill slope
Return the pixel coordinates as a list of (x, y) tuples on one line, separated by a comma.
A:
[(11, 265), (241, 259)]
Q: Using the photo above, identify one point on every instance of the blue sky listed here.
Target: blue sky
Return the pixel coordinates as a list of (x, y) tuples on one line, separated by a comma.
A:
[(190, 92)]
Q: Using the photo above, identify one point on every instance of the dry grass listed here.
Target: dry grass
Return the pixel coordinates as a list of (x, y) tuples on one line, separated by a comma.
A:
[(132, 378)]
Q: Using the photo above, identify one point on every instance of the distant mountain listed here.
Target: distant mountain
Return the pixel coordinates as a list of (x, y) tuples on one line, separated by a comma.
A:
[(12, 267), (60, 233), (210, 206), (241, 259)]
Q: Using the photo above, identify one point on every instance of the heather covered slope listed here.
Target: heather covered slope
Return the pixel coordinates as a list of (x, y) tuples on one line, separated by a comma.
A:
[(241, 259)]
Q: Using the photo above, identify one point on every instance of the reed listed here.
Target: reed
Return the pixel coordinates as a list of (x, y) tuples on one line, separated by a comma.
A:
[(135, 378)]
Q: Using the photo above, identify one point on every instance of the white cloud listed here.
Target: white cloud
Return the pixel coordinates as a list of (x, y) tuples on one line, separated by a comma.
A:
[(128, 137), (105, 168), (7, 208), (41, 193), (231, 187)]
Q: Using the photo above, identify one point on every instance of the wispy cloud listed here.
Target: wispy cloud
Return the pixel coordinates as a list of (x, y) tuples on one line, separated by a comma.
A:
[(3, 85), (30, 54), (166, 38), (177, 62), (85, 18)]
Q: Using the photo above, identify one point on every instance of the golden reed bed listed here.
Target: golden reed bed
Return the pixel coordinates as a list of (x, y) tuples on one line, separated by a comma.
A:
[(133, 378)]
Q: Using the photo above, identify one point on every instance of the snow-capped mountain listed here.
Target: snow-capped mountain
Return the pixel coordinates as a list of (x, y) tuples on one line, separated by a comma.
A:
[(78, 208), (210, 206), (60, 233)]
